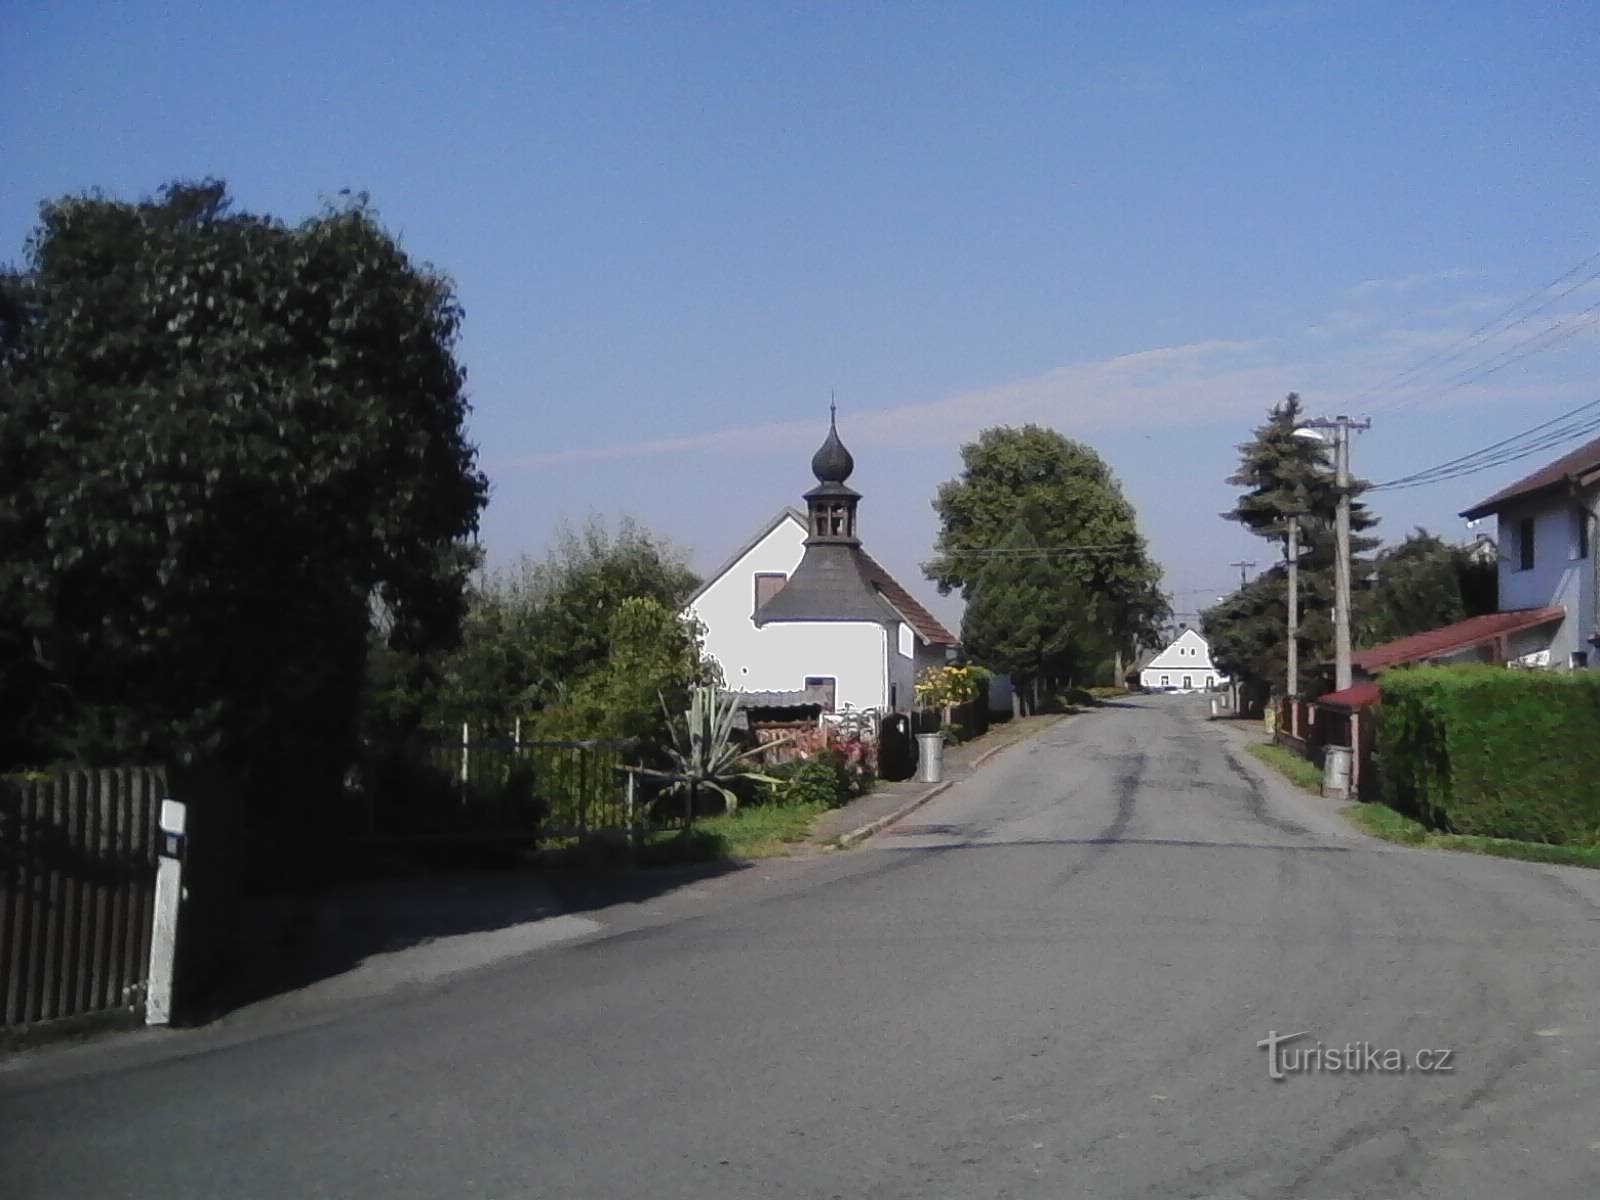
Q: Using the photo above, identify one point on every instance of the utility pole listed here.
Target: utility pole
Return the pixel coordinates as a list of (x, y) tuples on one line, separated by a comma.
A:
[(1341, 426), (1294, 610), (1243, 566)]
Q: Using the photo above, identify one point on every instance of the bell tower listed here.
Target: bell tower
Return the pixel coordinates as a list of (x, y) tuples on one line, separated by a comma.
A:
[(831, 505)]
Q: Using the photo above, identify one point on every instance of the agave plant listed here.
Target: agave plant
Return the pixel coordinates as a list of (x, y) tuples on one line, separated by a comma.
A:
[(705, 753)]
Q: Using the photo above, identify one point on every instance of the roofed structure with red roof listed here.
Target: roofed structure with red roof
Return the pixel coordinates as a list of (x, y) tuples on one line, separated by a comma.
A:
[(1452, 639)]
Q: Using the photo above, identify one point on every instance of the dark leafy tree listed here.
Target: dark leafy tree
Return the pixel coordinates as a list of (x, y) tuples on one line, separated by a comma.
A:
[(1071, 507), (534, 633), (1423, 583), (1028, 617), (229, 442)]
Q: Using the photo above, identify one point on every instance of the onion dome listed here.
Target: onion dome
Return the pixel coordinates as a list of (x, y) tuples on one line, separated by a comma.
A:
[(832, 462)]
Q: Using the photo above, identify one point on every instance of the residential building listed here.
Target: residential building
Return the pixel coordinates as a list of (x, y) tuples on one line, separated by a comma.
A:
[(801, 616), (1183, 666), (1547, 581), (1546, 554)]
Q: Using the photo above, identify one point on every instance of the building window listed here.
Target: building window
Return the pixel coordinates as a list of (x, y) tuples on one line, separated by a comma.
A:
[(1579, 660), (1525, 544), (827, 685), (1580, 532), (1187, 683), (907, 641), (1165, 680), (768, 585)]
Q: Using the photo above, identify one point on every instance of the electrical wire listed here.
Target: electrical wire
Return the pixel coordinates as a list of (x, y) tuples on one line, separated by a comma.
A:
[(1565, 427), (1486, 331)]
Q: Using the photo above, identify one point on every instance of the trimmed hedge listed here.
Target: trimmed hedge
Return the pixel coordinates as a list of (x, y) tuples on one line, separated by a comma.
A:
[(1494, 752)]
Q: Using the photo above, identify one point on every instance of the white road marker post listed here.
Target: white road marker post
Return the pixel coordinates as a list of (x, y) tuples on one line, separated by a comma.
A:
[(172, 847)]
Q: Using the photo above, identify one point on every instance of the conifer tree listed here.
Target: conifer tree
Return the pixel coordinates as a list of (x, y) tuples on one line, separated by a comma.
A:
[(1284, 476)]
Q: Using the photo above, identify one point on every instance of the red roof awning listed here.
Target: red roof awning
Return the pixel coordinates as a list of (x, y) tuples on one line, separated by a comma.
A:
[(1448, 639), (1358, 695)]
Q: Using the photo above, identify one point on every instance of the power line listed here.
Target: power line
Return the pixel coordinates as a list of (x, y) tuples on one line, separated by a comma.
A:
[(1485, 331), (1565, 427)]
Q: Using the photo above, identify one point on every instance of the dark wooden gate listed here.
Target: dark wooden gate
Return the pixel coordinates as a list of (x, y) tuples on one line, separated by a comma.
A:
[(77, 886)]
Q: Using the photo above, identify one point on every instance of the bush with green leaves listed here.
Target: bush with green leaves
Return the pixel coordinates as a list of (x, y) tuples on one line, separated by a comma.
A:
[(823, 780), (1501, 753)]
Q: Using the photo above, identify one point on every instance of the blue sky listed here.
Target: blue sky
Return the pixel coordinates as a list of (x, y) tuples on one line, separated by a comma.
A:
[(676, 227)]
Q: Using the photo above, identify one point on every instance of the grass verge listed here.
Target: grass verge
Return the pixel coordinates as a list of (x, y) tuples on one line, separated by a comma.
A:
[(1289, 764), (757, 831), (762, 831), (1382, 821)]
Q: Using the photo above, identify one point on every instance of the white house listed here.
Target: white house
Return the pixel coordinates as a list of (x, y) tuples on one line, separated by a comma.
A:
[(1546, 552), (801, 616), (1184, 666)]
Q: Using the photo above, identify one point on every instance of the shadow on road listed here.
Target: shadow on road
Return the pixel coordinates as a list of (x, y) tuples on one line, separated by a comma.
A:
[(290, 942)]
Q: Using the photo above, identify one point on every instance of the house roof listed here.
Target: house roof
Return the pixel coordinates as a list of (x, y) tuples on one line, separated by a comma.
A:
[(829, 584), (901, 603), (923, 621), (1585, 460), (748, 545), (795, 698), (1359, 695), (1447, 639)]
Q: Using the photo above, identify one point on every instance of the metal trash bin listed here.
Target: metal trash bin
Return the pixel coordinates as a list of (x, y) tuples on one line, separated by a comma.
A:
[(930, 757), (1336, 772)]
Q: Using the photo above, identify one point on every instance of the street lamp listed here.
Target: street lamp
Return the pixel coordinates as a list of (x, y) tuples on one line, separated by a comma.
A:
[(1341, 426)]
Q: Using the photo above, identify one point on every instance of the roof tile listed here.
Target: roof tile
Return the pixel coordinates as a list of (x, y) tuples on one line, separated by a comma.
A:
[(1462, 635), (1585, 458)]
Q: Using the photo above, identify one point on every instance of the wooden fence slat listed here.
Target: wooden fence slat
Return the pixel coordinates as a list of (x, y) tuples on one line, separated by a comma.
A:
[(82, 895), (132, 972), (50, 878), (118, 930), (15, 961), (32, 981), (155, 790), (10, 871), (71, 881), (105, 825)]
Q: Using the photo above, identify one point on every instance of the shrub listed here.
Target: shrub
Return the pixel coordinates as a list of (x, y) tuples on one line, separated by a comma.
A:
[(823, 780), (1500, 753)]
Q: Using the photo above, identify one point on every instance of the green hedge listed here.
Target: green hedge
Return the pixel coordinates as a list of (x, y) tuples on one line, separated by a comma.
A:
[(1495, 752)]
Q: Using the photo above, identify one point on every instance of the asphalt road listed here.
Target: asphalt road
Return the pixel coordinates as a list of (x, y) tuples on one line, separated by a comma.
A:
[(1049, 982)]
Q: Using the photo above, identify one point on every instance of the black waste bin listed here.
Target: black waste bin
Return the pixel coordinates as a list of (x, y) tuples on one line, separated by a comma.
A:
[(897, 749)]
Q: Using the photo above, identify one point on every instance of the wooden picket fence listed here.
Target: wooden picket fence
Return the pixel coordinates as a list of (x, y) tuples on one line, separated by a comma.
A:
[(77, 889)]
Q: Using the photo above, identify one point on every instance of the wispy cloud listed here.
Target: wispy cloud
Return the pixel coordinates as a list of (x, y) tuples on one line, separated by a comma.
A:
[(1347, 356), (1407, 283)]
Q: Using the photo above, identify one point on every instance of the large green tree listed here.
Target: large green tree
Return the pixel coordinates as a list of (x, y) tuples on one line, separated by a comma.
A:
[(1071, 510), (230, 443), (1029, 617)]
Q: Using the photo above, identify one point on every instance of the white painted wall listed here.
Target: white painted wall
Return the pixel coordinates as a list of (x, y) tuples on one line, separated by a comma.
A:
[(1199, 678), (780, 656), (1558, 576)]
